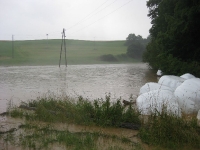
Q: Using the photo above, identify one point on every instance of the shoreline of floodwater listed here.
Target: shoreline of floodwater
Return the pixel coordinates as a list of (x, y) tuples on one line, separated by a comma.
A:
[(50, 122)]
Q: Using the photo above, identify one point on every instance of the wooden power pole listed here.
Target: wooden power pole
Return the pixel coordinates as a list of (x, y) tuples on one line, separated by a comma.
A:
[(63, 44), (12, 46)]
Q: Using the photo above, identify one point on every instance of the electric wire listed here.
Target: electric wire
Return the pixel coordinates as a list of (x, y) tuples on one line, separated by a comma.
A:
[(87, 17), (101, 17), (91, 14)]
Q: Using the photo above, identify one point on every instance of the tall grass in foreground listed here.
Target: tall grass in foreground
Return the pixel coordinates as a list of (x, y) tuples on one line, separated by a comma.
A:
[(161, 129), (50, 110), (82, 111), (170, 131)]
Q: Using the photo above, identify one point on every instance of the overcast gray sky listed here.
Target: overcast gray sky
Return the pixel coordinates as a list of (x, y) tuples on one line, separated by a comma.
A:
[(82, 19)]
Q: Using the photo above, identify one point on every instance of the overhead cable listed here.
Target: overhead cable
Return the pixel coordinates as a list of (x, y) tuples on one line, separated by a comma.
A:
[(91, 14), (102, 17)]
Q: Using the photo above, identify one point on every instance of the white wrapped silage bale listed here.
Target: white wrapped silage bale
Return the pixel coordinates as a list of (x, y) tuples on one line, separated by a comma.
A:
[(188, 95), (156, 100), (187, 76), (150, 86), (171, 81)]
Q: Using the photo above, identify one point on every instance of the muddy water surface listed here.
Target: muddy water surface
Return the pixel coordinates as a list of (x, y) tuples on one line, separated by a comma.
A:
[(24, 83), (102, 142)]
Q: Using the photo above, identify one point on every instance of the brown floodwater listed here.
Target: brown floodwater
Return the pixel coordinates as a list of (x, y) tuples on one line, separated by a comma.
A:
[(102, 142), (24, 83)]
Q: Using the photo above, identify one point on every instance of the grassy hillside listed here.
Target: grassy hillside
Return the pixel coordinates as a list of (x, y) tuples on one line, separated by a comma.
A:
[(47, 52)]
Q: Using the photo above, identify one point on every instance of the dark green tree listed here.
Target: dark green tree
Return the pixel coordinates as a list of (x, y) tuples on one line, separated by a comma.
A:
[(135, 50), (175, 36), (133, 38), (136, 45)]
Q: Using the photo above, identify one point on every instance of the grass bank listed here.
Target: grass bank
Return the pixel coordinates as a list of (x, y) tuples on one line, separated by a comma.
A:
[(98, 112), (47, 52), (38, 132), (34, 136), (163, 130)]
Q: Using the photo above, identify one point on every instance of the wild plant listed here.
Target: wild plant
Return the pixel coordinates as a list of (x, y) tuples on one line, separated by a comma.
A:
[(170, 131)]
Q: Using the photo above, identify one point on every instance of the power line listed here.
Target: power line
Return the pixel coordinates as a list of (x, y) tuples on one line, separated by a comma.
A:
[(102, 17), (90, 15), (86, 17), (28, 35)]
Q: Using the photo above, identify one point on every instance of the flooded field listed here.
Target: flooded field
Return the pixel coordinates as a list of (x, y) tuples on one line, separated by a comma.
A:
[(108, 137), (24, 83), (74, 123)]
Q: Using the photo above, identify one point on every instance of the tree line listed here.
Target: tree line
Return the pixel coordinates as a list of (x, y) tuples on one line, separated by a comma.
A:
[(175, 36), (136, 45)]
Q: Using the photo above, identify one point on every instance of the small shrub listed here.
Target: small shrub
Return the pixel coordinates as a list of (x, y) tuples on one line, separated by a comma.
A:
[(131, 116), (108, 57), (113, 114), (82, 111), (16, 113), (122, 56), (170, 131)]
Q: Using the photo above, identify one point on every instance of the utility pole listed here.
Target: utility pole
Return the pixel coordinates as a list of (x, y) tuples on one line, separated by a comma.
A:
[(47, 40), (94, 43), (65, 48), (63, 43), (12, 46)]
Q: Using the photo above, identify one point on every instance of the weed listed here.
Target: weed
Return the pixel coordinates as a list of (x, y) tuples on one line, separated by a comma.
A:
[(17, 113), (81, 111), (162, 129), (170, 131), (112, 114)]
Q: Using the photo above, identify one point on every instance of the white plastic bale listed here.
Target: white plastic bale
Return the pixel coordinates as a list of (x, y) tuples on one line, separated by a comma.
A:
[(159, 73), (187, 76), (198, 117), (171, 81), (188, 95), (152, 101), (150, 86)]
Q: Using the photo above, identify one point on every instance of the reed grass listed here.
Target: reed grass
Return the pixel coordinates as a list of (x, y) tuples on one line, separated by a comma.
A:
[(81, 111), (163, 129), (170, 131)]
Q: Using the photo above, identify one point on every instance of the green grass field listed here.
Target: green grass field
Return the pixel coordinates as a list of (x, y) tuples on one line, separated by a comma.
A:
[(47, 52)]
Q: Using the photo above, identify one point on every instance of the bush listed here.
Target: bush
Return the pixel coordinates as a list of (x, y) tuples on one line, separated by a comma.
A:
[(122, 56), (100, 112), (172, 65), (170, 131), (108, 57), (135, 50)]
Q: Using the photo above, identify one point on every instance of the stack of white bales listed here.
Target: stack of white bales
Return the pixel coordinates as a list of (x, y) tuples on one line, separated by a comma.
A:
[(172, 93)]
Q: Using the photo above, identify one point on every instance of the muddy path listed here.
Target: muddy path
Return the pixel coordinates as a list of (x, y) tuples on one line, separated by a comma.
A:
[(12, 125)]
